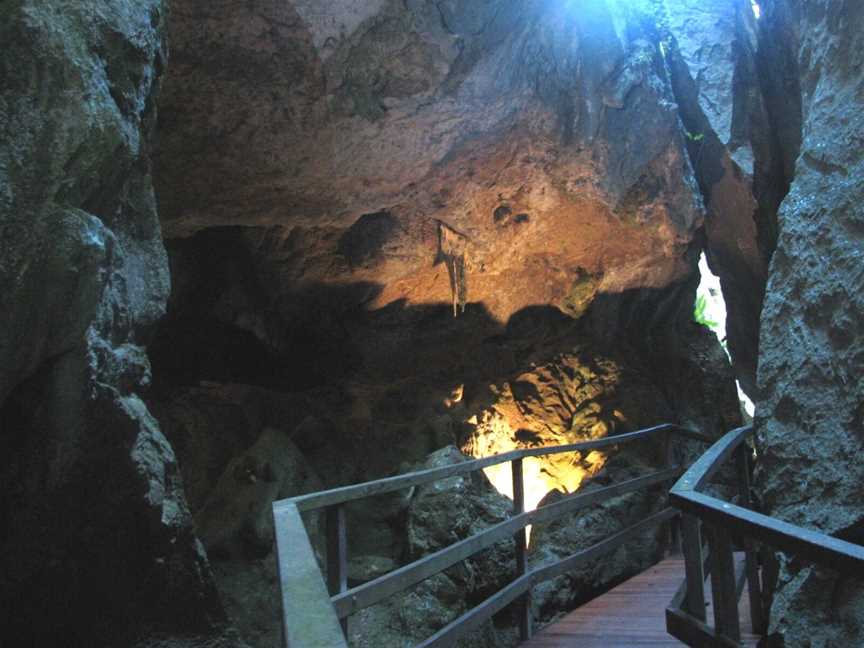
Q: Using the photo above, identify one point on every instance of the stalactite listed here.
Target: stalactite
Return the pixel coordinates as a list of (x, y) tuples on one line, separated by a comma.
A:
[(452, 248)]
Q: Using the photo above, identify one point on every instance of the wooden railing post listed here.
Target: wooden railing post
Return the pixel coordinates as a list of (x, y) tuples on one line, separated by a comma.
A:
[(723, 585), (321, 613), (523, 603), (693, 566), (751, 564), (302, 586), (337, 555), (674, 523)]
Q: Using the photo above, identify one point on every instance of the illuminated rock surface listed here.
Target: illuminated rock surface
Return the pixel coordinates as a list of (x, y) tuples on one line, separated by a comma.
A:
[(514, 125)]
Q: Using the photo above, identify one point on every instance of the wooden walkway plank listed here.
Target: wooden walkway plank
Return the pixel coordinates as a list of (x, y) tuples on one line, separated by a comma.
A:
[(629, 615)]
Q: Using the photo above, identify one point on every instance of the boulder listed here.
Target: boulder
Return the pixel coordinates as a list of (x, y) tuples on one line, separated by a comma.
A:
[(237, 518), (439, 514)]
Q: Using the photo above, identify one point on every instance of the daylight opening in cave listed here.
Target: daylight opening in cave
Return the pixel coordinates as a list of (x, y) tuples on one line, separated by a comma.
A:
[(710, 311), (757, 10)]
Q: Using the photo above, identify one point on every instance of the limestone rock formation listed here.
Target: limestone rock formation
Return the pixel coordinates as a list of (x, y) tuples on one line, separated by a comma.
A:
[(810, 421), (337, 179), (236, 521), (237, 517), (570, 392), (438, 515), (96, 542), (729, 71), (513, 124), (450, 510)]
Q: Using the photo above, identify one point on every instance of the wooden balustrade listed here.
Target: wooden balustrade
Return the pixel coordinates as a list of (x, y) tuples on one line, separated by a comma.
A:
[(728, 526), (521, 540), (315, 613)]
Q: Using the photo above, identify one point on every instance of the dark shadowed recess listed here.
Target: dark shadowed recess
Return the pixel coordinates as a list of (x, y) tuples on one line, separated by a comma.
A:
[(96, 586), (228, 324), (224, 325)]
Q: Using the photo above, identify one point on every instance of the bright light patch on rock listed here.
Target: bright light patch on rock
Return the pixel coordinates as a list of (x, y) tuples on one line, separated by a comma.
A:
[(537, 480), (710, 311), (541, 475), (757, 10)]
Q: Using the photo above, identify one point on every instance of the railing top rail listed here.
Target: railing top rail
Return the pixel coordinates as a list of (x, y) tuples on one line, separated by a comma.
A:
[(711, 461), (369, 593), (354, 492), (311, 617), (812, 545)]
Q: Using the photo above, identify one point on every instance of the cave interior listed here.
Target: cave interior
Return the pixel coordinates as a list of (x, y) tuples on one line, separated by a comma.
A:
[(255, 250)]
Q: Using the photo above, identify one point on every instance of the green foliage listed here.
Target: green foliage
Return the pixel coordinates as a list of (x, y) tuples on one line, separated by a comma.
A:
[(694, 137), (699, 313)]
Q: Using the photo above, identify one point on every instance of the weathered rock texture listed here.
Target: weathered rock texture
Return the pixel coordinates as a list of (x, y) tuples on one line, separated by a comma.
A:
[(812, 336), (344, 162), (338, 179), (569, 392), (96, 541), (734, 80)]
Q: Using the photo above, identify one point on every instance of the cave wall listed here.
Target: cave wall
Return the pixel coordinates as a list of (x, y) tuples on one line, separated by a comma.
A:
[(96, 541), (735, 80), (809, 422), (503, 123), (517, 162), (508, 157), (396, 227)]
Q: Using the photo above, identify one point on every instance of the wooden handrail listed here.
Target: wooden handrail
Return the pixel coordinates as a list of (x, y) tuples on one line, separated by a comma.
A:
[(362, 596), (726, 520), (312, 610), (345, 494), (474, 617), (296, 563), (812, 545)]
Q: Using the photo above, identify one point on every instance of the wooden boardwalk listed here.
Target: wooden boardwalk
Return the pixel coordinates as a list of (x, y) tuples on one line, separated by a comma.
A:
[(630, 615)]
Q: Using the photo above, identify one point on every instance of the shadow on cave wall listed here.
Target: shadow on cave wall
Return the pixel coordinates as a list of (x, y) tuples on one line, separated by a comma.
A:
[(94, 586), (224, 325), (228, 325)]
